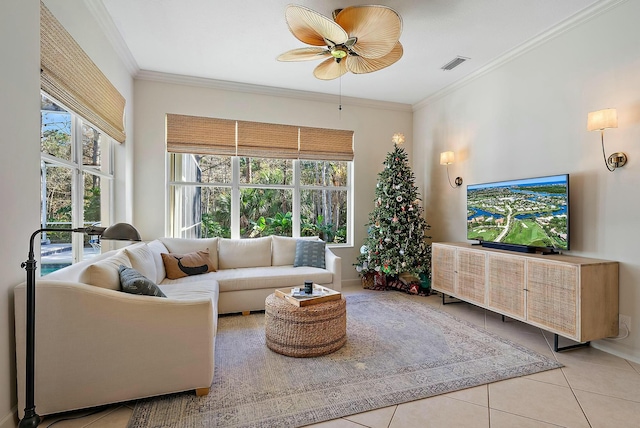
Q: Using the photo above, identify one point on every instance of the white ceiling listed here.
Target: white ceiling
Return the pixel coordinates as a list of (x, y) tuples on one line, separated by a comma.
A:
[(238, 41)]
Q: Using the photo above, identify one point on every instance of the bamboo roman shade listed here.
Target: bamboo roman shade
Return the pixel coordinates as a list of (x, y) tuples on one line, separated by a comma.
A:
[(211, 136), (201, 135), (69, 76), (267, 140), (326, 144)]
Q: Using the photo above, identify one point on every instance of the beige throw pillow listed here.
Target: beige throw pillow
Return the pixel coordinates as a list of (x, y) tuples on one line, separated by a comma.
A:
[(181, 265), (190, 245)]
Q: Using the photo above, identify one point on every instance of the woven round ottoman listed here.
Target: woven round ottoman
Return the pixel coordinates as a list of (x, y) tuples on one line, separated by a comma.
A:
[(307, 331)]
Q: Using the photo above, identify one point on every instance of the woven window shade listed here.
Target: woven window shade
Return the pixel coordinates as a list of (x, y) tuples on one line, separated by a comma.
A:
[(69, 76), (201, 135), (267, 140), (326, 144)]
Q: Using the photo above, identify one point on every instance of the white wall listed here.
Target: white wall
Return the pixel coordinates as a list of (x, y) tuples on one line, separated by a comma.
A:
[(527, 118), (20, 147), (373, 128), (19, 169)]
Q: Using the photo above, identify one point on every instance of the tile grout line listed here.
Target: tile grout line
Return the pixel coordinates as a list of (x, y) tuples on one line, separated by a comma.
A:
[(350, 421), (488, 405), (392, 416), (579, 404), (605, 395), (530, 419), (101, 417)]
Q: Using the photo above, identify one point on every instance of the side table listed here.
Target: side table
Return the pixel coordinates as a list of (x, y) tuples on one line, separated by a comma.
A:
[(306, 331)]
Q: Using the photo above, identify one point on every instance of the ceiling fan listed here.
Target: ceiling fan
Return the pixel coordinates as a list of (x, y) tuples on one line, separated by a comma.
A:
[(359, 39)]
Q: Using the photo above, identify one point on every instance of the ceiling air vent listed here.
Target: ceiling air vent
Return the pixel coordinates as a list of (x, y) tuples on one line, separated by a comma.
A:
[(454, 63)]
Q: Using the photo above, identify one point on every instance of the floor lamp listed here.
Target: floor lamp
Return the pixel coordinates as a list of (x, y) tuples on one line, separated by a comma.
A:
[(120, 232)]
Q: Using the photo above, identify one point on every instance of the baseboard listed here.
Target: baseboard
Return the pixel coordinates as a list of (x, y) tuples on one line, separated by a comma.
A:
[(10, 420), (351, 282), (603, 346)]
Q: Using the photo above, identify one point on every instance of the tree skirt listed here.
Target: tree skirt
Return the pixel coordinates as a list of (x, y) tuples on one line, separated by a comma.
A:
[(397, 350)]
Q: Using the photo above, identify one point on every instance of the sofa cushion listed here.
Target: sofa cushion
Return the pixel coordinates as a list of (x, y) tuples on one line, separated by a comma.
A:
[(133, 282), (283, 249), (157, 248), (310, 253), (270, 277), (186, 245), (104, 273), (241, 253), (193, 290), (141, 260), (181, 265)]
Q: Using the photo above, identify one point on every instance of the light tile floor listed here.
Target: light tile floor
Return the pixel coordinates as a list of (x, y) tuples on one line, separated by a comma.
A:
[(593, 389)]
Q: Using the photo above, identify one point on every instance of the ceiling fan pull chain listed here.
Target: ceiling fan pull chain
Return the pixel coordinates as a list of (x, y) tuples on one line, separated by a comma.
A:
[(340, 90)]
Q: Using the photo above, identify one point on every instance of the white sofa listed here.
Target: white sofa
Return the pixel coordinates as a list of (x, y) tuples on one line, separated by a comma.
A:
[(97, 345)]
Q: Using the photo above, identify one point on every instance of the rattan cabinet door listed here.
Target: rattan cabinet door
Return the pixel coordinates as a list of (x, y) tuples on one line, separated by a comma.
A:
[(443, 268), (552, 296), (506, 285), (471, 283)]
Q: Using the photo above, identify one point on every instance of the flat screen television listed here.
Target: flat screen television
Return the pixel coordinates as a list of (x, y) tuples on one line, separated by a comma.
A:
[(528, 215)]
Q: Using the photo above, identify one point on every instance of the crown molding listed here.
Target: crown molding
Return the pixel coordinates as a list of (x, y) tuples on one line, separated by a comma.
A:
[(108, 27), (224, 85), (564, 26)]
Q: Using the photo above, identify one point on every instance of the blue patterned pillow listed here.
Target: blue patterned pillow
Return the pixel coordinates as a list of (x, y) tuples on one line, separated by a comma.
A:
[(132, 281), (309, 253)]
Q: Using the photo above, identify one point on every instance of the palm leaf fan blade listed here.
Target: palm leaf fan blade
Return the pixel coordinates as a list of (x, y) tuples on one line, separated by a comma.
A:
[(377, 29), (330, 69), (361, 65), (312, 28), (304, 54)]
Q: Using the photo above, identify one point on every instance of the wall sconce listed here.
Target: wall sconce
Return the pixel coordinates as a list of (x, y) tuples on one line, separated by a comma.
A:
[(601, 120), (446, 158)]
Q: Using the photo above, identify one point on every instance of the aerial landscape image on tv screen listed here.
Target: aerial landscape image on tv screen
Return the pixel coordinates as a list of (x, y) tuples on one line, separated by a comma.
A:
[(531, 212)]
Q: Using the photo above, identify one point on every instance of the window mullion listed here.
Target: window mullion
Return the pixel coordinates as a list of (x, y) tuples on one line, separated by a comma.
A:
[(350, 211), (235, 197), (77, 189), (295, 203)]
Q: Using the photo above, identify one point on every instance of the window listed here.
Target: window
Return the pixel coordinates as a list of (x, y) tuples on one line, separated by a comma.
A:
[(76, 183), (240, 179), (286, 197), (324, 196)]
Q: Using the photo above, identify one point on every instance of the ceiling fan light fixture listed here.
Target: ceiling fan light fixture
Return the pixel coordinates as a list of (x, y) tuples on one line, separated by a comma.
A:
[(338, 52)]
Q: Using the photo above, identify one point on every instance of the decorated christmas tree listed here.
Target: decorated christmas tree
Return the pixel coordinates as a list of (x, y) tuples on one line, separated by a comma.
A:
[(396, 252)]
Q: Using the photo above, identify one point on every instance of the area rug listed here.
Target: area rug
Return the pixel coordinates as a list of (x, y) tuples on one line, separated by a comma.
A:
[(398, 350)]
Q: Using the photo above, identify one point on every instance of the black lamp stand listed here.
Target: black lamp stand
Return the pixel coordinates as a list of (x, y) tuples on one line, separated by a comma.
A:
[(119, 231)]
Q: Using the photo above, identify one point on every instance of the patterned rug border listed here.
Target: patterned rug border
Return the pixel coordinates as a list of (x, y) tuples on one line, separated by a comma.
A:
[(169, 408)]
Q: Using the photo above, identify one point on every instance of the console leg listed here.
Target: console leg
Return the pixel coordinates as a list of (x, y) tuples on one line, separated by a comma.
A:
[(449, 302), (556, 348)]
